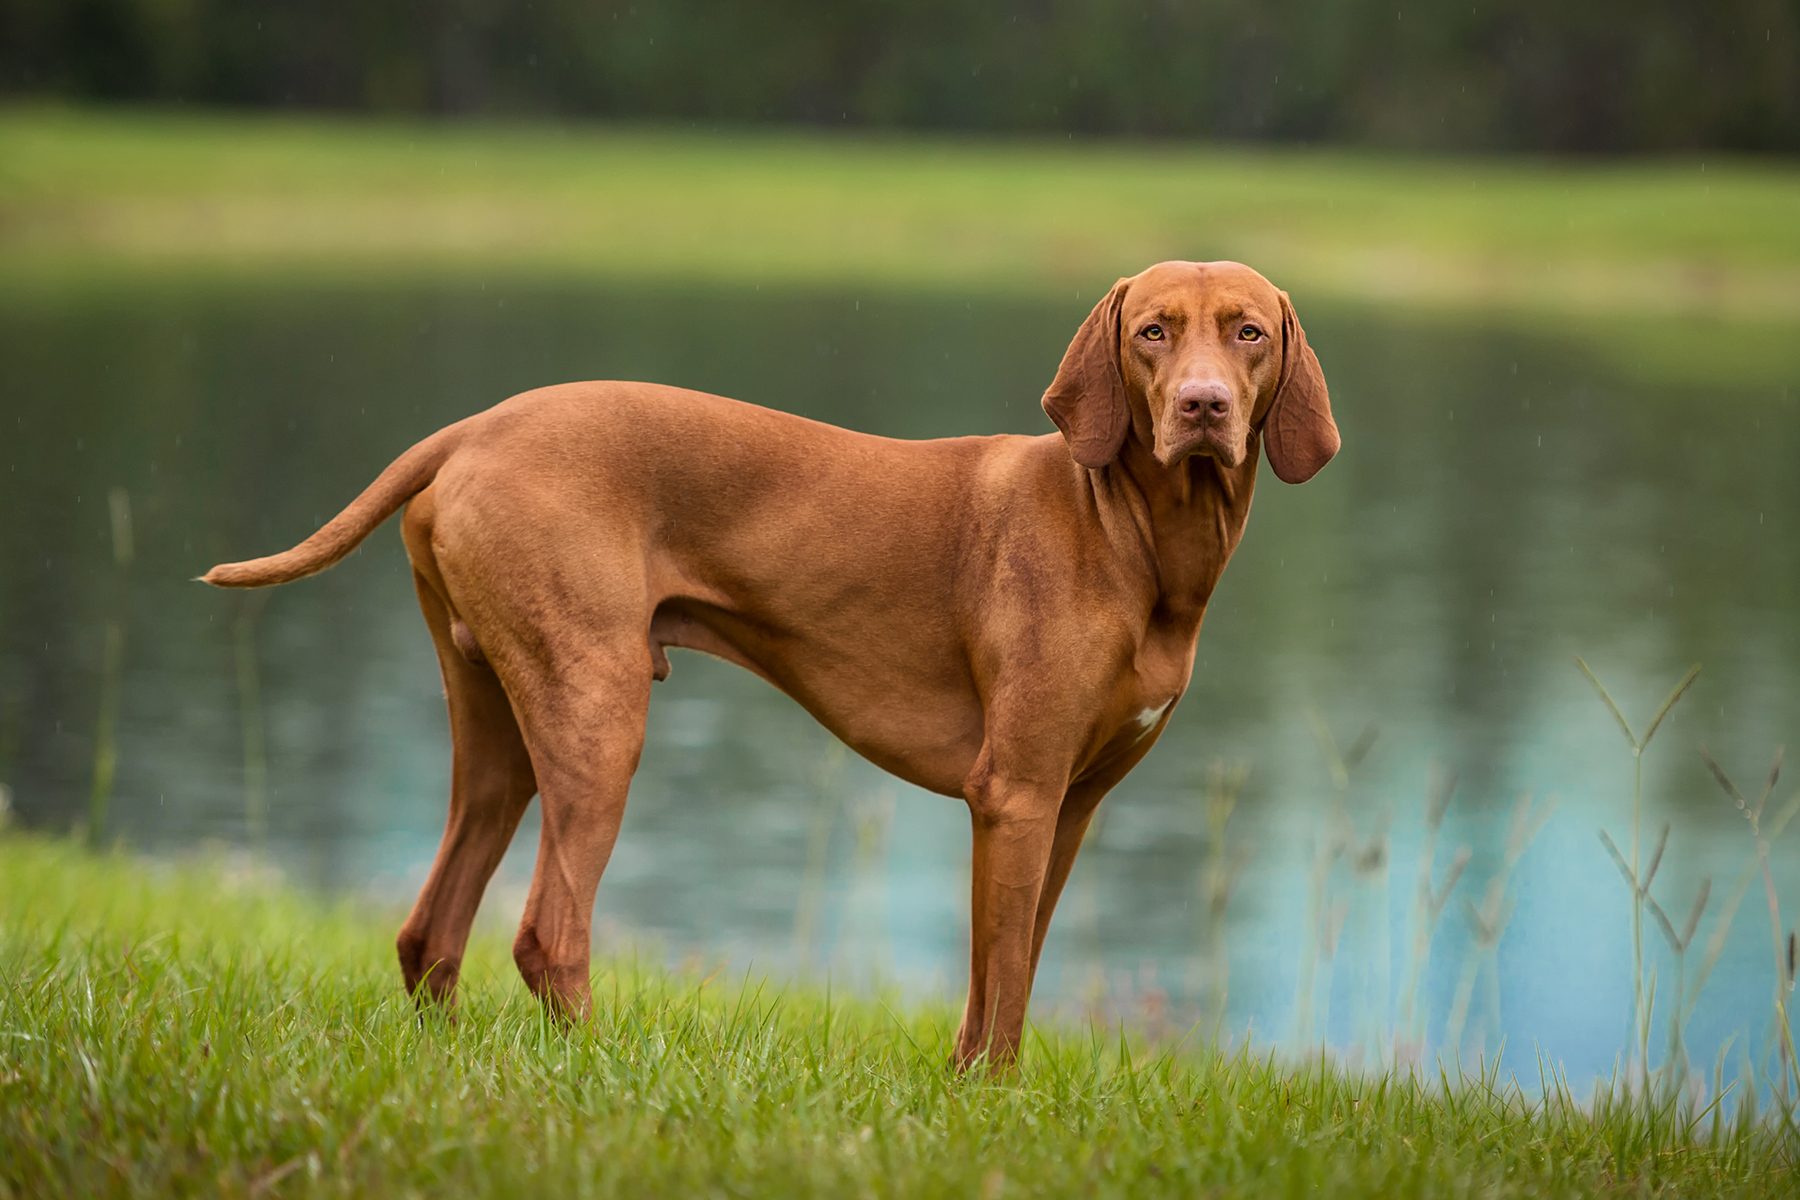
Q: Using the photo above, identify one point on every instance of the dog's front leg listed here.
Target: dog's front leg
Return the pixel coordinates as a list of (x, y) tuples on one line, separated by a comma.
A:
[(1014, 830), (1072, 821)]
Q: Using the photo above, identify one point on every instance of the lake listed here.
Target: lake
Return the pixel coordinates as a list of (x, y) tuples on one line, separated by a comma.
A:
[(1508, 497)]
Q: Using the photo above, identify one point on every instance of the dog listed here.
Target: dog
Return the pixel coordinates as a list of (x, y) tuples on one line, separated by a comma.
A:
[(1008, 619)]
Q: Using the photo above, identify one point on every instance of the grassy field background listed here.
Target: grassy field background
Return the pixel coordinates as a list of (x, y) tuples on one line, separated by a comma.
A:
[(203, 1031), (82, 191)]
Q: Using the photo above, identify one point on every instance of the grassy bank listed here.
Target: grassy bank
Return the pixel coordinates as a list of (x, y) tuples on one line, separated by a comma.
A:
[(85, 192), (190, 1031)]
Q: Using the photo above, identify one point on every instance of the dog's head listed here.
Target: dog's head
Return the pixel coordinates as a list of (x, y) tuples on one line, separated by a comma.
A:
[(1192, 358)]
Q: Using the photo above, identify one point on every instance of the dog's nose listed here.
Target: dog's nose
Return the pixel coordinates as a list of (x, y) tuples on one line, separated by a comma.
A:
[(1197, 401)]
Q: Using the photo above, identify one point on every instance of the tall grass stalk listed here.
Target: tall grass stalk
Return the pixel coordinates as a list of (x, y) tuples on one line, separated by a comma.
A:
[(1640, 1010), (1219, 874), (250, 715), (12, 720), (1428, 909), (1489, 919), (112, 663), (1324, 924), (1676, 1068), (872, 816), (828, 786), (1781, 938), (12, 723), (1325, 921)]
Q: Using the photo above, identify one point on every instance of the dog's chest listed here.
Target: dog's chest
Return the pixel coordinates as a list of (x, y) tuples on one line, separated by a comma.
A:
[(1131, 729), (1145, 719), (1156, 682)]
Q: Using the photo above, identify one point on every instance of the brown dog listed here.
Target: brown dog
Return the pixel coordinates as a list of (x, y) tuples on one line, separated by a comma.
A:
[(1006, 619)]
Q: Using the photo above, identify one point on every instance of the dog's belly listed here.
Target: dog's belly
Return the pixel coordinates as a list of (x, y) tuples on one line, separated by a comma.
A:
[(902, 712)]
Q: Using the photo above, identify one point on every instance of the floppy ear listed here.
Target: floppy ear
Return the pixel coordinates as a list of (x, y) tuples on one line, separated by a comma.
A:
[(1298, 433), (1087, 398)]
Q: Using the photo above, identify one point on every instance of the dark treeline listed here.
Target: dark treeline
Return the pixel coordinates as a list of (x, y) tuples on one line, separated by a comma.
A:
[(1557, 75)]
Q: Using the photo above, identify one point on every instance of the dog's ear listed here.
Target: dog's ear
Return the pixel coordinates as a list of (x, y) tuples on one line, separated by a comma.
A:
[(1087, 398), (1298, 433)]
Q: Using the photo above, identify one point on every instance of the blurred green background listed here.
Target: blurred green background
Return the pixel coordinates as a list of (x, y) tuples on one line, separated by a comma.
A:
[(1549, 255), (1533, 75)]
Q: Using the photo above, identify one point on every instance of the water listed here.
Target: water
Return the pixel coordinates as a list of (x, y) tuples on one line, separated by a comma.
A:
[(1505, 501)]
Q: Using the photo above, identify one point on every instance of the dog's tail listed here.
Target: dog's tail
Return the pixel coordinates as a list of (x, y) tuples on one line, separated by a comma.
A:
[(404, 478)]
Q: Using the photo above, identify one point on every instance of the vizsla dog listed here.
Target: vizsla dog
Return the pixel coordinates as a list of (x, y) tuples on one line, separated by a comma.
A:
[(1004, 619)]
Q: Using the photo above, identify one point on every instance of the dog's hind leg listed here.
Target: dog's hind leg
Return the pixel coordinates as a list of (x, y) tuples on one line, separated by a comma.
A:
[(585, 728), (491, 783)]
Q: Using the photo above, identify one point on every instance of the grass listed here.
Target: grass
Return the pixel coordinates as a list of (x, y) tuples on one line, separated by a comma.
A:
[(106, 191), (197, 1030)]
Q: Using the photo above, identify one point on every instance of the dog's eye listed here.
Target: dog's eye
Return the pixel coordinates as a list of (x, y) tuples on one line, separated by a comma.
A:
[(1151, 333), (1250, 333)]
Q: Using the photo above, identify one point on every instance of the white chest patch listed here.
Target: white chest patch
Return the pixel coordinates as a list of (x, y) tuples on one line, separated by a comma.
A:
[(1146, 720)]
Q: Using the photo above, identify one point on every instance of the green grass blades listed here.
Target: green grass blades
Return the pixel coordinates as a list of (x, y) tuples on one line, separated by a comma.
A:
[(200, 1030)]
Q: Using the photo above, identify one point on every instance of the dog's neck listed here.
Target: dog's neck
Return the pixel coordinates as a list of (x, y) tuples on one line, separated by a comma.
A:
[(1187, 518)]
